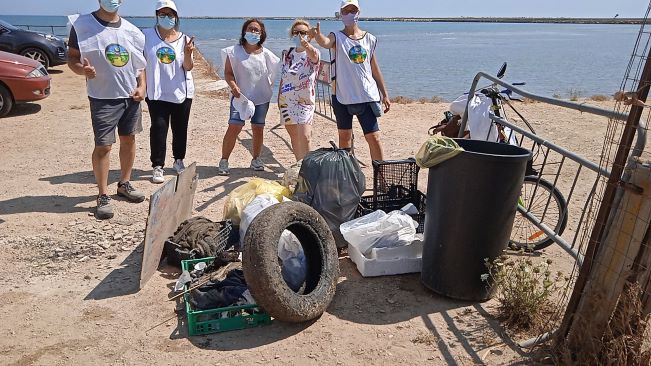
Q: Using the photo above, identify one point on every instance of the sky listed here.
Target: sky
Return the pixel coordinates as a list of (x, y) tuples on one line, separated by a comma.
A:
[(370, 8)]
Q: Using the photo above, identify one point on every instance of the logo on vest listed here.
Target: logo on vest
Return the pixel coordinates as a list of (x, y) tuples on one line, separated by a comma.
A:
[(166, 55), (357, 54), (117, 55)]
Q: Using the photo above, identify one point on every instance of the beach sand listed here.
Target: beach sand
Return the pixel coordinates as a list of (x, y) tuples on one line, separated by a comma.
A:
[(68, 283)]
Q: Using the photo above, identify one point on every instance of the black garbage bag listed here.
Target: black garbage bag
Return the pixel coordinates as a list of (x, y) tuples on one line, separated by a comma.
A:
[(332, 182)]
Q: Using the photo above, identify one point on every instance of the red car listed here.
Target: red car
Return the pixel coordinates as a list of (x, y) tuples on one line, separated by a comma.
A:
[(21, 80)]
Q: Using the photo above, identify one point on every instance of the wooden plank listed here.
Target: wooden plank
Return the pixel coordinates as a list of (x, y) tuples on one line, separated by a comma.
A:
[(614, 261), (169, 206)]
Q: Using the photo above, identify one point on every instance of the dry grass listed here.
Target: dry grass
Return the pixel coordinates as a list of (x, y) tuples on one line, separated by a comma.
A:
[(427, 339), (623, 342), (575, 95), (204, 68), (401, 99), (599, 98)]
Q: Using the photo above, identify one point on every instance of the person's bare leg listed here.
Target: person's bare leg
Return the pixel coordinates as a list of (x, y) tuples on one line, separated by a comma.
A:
[(345, 139), (230, 138), (101, 161), (374, 145), (292, 130), (258, 140), (304, 136), (127, 156)]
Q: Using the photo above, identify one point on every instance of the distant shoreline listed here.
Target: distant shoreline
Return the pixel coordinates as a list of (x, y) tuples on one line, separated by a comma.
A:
[(461, 20)]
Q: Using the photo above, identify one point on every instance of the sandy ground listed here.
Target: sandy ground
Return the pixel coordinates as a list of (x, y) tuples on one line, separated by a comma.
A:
[(68, 283)]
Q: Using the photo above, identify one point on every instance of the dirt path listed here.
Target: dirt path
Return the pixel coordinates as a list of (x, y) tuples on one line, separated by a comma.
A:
[(68, 283)]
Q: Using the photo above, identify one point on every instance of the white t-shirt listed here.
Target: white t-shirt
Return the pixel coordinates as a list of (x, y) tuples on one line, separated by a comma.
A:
[(479, 124), (298, 87), (355, 83), (167, 80), (254, 73), (116, 54)]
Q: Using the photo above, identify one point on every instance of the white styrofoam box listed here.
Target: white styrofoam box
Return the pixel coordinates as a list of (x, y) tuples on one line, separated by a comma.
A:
[(388, 261)]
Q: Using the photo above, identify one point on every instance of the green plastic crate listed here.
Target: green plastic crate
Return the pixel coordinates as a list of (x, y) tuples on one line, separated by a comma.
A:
[(202, 322)]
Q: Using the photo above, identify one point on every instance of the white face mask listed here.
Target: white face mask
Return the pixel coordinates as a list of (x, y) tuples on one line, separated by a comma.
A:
[(110, 6)]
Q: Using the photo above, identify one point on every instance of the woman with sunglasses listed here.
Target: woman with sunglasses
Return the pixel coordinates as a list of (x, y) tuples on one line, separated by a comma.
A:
[(296, 95), (249, 70), (170, 87)]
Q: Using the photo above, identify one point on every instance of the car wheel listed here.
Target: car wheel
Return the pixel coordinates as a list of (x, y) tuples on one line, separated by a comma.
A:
[(6, 101), (37, 55)]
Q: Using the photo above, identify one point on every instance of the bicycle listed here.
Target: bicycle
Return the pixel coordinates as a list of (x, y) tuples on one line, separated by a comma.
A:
[(538, 196)]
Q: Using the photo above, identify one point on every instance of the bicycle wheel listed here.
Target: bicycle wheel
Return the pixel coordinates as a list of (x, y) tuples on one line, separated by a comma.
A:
[(534, 198)]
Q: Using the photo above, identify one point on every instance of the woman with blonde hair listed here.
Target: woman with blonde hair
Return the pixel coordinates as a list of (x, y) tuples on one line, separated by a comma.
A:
[(296, 95)]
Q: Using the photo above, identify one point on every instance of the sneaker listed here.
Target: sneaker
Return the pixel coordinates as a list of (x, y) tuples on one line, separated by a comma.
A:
[(127, 191), (257, 165), (223, 169), (179, 166), (158, 175), (104, 208)]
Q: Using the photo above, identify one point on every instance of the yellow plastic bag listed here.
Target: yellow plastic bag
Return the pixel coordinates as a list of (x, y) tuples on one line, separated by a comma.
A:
[(437, 150), (241, 196)]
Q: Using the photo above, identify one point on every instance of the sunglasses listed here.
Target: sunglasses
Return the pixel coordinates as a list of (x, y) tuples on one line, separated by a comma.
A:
[(302, 33)]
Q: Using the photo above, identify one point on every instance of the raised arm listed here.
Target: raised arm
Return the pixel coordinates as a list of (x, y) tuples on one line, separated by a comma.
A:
[(188, 59), (312, 52), (323, 40)]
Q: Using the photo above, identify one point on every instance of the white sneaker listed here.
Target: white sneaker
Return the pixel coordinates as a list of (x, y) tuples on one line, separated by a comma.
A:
[(223, 169), (157, 175), (179, 166), (257, 165)]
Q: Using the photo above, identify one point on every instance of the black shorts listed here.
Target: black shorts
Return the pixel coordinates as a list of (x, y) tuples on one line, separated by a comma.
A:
[(367, 114)]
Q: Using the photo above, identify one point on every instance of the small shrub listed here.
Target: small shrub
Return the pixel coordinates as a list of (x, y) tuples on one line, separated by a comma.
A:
[(524, 290), (402, 100), (574, 94), (436, 99), (600, 98)]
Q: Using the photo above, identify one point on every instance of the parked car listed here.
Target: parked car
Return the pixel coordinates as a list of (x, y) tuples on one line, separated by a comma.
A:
[(21, 80), (45, 48)]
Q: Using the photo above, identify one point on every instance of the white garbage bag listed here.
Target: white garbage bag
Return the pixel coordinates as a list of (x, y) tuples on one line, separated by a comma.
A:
[(380, 230), (290, 250)]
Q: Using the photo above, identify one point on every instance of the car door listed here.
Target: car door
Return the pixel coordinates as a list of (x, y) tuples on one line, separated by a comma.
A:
[(7, 41)]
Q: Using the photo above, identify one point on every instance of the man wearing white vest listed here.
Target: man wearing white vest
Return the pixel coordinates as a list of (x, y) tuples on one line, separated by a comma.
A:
[(359, 88), (108, 51)]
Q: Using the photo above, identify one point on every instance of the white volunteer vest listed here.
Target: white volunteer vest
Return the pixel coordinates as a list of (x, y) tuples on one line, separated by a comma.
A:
[(355, 83), (116, 54), (166, 79), (255, 73)]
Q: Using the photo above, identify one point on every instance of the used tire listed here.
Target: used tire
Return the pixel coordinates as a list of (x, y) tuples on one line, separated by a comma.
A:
[(263, 272), (37, 54), (6, 101)]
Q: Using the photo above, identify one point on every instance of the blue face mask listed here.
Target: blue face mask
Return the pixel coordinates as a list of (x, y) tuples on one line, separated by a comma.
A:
[(252, 38), (166, 22), (110, 6), (297, 41)]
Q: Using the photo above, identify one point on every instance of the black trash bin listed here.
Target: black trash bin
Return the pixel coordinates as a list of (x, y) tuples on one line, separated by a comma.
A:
[(471, 204)]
